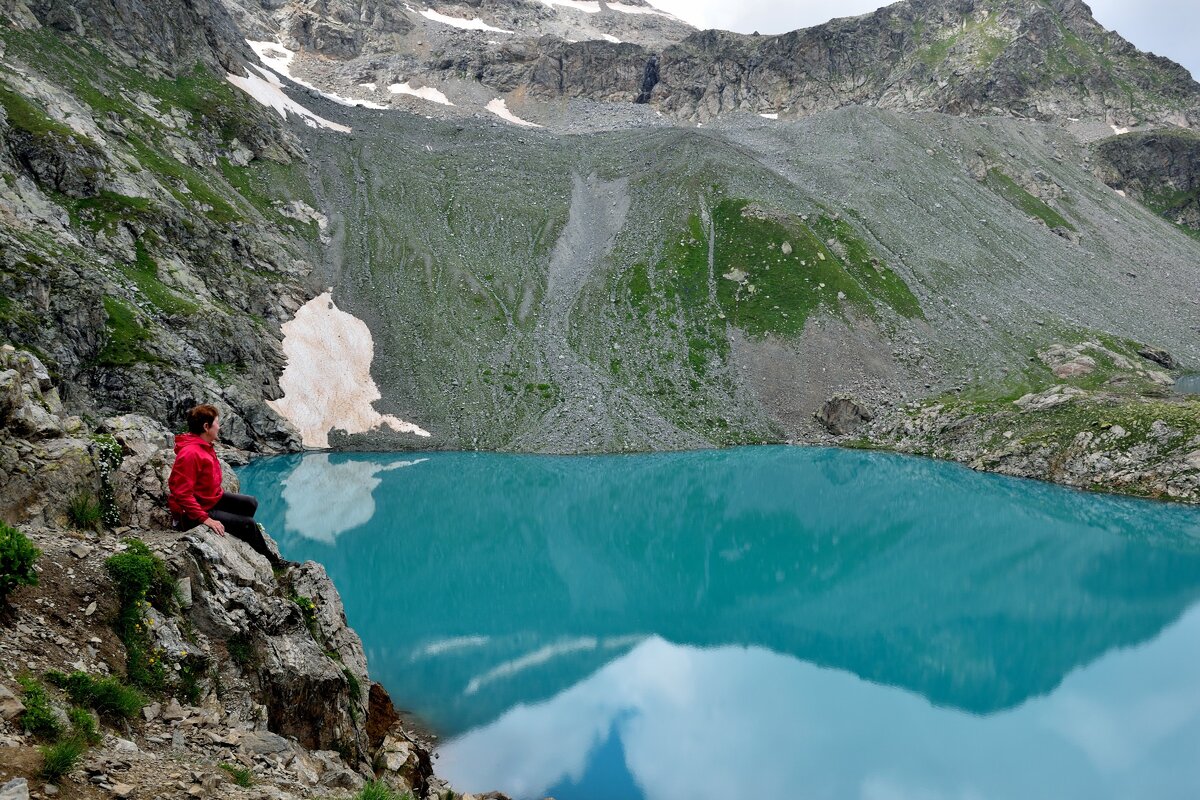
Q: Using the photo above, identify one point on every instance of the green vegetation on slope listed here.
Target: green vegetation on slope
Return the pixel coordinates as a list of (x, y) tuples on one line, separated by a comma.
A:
[(144, 274), (126, 336), (1016, 194)]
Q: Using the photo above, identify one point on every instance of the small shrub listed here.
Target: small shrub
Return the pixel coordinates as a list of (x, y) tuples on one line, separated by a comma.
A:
[(191, 686), (83, 726), (108, 696), (142, 580), (241, 776), (17, 557), (59, 759), (83, 511), (377, 790), (242, 652), (38, 717), (141, 575)]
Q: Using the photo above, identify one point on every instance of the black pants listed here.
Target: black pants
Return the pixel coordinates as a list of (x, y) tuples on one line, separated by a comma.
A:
[(236, 513)]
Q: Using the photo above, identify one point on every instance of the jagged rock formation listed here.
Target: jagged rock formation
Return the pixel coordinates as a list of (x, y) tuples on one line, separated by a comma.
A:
[(1038, 59), (1161, 169), (278, 676), (1100, 419), (127, 259)]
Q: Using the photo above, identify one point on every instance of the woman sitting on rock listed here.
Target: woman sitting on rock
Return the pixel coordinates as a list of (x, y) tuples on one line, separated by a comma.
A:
[(196, 497)]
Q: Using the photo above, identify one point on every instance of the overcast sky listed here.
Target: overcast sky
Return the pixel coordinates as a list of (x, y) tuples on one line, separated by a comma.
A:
[(1169, 28)]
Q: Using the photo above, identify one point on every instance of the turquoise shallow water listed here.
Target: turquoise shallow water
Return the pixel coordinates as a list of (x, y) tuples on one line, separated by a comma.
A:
[(772, 623), (1188, 384)]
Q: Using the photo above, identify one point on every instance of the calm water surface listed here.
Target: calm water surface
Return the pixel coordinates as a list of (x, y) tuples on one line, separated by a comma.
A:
[(1188, 384), (768, 623)]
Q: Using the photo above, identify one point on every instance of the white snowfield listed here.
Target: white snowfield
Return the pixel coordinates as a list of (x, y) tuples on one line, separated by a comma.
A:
[(266, 89), (425, 93), (579, 5), (593, 7), (500, 108), (327, 382), (279, 58), (465, 24)]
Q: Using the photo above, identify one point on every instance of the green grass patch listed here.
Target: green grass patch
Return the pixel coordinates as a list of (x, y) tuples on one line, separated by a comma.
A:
[(25, 116), (126, 335), (106, 209), (241, 776), (109, 697), (83, 509), (1016, 195), (142, 580), (377, 790), (199, 186), (880, 281), (83, 726), (17, 559), (38, 718), (785, 273), (144, 274), (59, 760), (934, 54)]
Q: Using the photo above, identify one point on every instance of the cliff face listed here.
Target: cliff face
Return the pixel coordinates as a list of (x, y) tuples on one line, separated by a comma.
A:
[(1031, 59), (256, 665), (1039, 59), (139, 255), (1161, 169)]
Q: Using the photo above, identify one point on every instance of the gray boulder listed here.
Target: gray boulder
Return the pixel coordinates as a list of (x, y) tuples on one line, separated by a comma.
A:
[(842, 415)]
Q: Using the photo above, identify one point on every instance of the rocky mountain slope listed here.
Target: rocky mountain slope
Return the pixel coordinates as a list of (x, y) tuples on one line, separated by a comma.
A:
[(214, 656), (1039, 59), (505, 286)]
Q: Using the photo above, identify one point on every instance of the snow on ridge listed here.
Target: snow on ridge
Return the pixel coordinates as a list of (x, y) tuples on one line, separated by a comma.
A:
[(269, 91), (424, 93), (279, 58), (608, 37), (500, 108), (465, 24), (586, 6), (628, 9)]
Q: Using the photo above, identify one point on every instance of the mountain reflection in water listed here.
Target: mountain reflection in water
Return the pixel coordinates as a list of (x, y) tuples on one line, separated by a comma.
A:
[(784, 619)]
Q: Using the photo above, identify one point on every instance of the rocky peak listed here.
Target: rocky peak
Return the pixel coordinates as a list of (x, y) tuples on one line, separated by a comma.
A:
[(172, 34), (1042, 59)]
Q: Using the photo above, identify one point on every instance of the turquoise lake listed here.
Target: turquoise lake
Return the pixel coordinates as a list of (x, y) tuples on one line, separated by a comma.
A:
[(770, 623)]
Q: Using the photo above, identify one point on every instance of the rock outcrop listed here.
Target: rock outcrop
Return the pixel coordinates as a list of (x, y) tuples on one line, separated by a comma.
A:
[(274, 673), (1161, 169), (1049, 61)]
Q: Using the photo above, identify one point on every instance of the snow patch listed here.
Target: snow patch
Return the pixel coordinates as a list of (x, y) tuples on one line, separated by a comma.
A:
[(1118, 130), (465, 24), (425, 93), (1120, 192), (279, 58), (372, 86), (608, 37), (592, 7), (769, 116), (627, 9), (269, 91), (327, 382), (500, 108)]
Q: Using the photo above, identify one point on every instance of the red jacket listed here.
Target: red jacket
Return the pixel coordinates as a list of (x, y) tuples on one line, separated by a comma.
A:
[(195, 481)]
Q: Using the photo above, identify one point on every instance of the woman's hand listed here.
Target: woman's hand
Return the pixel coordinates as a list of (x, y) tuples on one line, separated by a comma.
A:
[(216, 526)]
